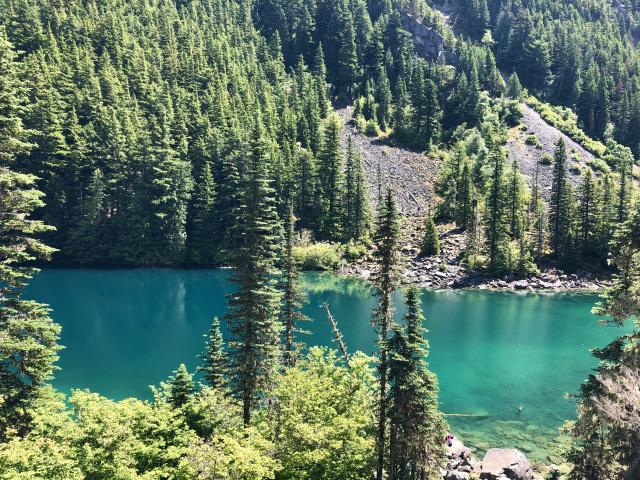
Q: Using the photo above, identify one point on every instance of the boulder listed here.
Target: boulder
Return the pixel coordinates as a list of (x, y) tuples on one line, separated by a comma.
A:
[(456, 475), (521, 285), (499, 463)]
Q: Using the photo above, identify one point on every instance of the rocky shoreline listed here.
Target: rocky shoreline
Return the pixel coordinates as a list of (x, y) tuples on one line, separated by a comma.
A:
[(497, 464), (445, 271)]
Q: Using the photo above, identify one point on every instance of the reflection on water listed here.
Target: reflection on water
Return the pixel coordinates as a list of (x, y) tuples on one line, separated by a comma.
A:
[(507, 360)]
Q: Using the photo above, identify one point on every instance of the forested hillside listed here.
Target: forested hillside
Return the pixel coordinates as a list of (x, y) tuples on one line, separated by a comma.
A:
[(581, 54), (203, 132)]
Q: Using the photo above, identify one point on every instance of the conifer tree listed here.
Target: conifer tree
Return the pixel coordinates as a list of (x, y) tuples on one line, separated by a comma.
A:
[(560, 207), (252, 318), (430, 246), (515, 200), (201, 233), (330, 180), (465, 198), (214, 362), (416, 425), (357, 215), (320, 74), (589, 212), (291, 310), (386, 240), (181, 387), (514, 87), (496, 223), (28, 337)]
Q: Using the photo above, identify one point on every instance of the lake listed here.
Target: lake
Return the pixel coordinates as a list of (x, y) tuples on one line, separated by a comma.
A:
[(506, 359)]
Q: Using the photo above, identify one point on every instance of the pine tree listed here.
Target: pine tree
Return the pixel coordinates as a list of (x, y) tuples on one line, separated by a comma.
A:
[(514, 87), (589, 211), (496, 223), (291, 310), (465, 197), (416, 425), (330, 180), (86, 238), (28, 337), (201, 233), (181, 387), (430, 246), (386, 240), (252, 318), (357, 215), (320, 73), (515, 200), (214, 362), (560, 207)]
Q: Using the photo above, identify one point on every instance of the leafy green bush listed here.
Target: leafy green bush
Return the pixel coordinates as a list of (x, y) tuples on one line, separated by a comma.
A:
[(546, 159), (360, 122), (354, 251), (372, 129), (576, 169), (599, 165), (565, 120), (318, 256), (533, 140)]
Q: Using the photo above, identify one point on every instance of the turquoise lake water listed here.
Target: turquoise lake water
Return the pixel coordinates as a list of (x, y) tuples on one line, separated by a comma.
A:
[(505, 358)]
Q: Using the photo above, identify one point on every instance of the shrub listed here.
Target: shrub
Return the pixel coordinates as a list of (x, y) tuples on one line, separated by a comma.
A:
[(533, 140), (318, 256), (599, 165), (565, 120), (576, 169), (546, 159), (354, 251), (372, 129), (360, 122)]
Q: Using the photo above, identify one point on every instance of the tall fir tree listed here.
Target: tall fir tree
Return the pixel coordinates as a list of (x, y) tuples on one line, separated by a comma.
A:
[(386, 240), (291, 315), (496, 222), (214, 361), (416, 425), (181, 387), (560, 205), (201, 233), (252, 318), (330, 180), (28, 337)]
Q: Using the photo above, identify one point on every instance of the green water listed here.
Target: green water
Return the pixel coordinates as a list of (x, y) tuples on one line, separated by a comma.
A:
[(493, 352)]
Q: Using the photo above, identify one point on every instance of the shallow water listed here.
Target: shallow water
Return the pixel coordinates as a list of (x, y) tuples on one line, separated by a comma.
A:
[(506, 359)]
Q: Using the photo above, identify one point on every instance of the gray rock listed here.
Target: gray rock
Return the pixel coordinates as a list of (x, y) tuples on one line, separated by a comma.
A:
[(457, 475), (521, 285), (507, 463)]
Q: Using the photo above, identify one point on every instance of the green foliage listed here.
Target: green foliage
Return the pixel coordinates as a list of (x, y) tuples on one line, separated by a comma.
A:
[(605, 435), (566, 121), (416, 448), (318, 256), (180, 387), (214, 361), (385, 280), (322, 424), (430, 245), (253, 308), (290, 310), (28, 337), (354, 251), (561, 206)]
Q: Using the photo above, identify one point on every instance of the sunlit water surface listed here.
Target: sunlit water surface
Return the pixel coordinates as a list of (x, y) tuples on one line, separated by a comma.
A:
[(506, 360)]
